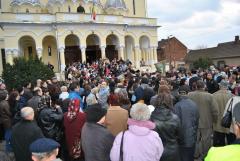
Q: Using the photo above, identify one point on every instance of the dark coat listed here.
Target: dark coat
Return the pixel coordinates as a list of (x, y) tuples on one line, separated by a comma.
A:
[(5, 114), (97, 142), (23, 134), (168, 128), (34, 102), (212, 86), (188, 114), (50, 121)]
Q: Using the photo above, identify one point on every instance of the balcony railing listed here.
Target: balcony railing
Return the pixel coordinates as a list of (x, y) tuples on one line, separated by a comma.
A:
[(74, 18)]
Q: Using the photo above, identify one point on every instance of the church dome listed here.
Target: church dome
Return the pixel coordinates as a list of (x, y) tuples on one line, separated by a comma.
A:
[(115, 4), (21, 2)]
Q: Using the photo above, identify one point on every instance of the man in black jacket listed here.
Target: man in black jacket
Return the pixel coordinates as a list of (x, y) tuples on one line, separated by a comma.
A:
[(50, 119), (23, 134), (188, 114)]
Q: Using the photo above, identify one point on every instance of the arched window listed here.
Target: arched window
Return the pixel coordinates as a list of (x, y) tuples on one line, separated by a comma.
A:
[(69, 9)]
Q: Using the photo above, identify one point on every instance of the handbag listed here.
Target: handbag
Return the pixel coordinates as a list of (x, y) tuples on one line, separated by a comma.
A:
[(227, 118), (121, 148)]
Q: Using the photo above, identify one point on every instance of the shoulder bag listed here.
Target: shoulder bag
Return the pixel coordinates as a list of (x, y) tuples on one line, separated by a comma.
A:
[(227, 118)]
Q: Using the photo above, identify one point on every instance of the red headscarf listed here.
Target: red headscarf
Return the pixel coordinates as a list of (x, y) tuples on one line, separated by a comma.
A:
[(73, 109)]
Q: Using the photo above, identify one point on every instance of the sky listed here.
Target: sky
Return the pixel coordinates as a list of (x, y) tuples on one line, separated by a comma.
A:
[(197, 23)]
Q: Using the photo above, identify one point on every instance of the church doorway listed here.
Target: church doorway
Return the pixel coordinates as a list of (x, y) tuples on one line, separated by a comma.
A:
[(93, 51), (27, 47), (72, 50), (112, 47)]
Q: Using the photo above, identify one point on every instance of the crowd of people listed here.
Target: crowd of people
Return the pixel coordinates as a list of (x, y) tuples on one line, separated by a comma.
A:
[(109, 111)]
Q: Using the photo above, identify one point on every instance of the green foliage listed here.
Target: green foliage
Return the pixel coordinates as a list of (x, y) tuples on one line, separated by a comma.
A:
[(25, 70), (202, 63)]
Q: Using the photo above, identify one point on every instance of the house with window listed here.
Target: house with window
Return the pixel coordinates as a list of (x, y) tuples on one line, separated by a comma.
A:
[(227, 53)]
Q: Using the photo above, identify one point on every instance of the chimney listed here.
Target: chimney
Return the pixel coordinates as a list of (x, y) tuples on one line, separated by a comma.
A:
[(236, 39)]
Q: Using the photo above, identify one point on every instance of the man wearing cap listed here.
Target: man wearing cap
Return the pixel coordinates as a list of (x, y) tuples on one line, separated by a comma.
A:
[(229, 152), (220, 133), (96, 140), (24, 133), (44, 149), (188, 114)]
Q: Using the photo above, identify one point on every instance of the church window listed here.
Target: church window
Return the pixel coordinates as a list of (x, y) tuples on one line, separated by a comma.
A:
[(49, 51), (69, 9)]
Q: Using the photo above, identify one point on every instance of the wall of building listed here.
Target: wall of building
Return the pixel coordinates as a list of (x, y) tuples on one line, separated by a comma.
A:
[(140, 8)]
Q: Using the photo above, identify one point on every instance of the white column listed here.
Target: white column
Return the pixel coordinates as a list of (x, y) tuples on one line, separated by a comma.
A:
[(9, 56), (148, 56), (137, 56), (103, 52), (83, 50), (155, 54), (151, 56), (62, 58), (121, 52), (39, 53)]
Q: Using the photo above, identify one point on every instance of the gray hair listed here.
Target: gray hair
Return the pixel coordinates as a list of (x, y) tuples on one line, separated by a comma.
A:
[(44, 155), (91, 99), (26, 111), (140, 112)]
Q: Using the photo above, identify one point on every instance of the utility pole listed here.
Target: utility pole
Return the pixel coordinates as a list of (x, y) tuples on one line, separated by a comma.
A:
[(170, 54)]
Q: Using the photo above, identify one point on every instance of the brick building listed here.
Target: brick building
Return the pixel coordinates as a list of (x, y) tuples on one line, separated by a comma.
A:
[(172, 51)]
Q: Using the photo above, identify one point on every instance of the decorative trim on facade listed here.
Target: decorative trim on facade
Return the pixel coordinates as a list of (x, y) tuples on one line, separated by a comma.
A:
[(61, 49), (8, 51), (54, 2), (21, 2), (15, 52), (116, 5)]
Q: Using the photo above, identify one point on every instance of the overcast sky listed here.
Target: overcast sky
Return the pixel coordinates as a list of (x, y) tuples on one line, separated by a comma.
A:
[(197, 22)]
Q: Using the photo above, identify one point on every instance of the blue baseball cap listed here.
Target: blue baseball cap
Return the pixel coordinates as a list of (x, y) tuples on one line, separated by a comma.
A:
[(43, 145)]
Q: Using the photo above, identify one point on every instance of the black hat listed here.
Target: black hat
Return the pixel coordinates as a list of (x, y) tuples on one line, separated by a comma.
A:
[(236, 112), (43, 145), (95, 113), (183, 89)]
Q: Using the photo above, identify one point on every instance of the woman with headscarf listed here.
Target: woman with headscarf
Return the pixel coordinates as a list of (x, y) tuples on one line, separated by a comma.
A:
[(73, 123), (167, 124), (139, 142)]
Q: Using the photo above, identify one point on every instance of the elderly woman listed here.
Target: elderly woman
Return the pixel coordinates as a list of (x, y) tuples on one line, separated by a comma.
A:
[(167, 124), (140, 142)]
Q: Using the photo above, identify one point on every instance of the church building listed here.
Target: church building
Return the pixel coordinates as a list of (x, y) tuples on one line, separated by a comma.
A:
[(62, 32)]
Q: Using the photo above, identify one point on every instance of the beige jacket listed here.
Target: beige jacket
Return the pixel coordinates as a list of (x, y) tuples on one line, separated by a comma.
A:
[(116, 119), (221, 97), (208, 111)]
